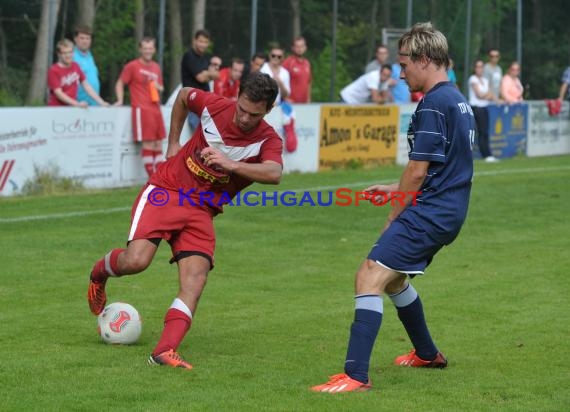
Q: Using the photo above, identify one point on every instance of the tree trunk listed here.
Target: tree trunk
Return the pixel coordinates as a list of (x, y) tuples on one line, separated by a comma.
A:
[(386, 15), (139, 21), (85, 13), (3, 48), (176, 42), (199, 20), (371, 49), (296, 8), (38, 80), (536, 22)]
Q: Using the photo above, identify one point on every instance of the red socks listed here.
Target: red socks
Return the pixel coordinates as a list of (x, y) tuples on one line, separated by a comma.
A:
[(176, 324), (148, 160), (107, 266)]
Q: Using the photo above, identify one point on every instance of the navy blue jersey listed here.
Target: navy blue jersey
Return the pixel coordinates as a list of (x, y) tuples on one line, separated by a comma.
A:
[(441, 132)]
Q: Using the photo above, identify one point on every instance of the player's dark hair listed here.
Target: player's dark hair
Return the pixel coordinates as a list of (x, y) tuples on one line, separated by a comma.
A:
[(386, 66), (259, 55), (259, 87), (202, 33)]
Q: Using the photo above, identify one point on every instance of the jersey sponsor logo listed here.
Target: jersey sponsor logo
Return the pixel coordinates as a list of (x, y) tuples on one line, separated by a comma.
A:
[(198, 171)]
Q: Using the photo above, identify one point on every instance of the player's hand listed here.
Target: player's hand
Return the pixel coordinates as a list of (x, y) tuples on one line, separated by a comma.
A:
[(172, 149), (82, 104), (378, 194), (105, 104), (118, 103), (215, 159)]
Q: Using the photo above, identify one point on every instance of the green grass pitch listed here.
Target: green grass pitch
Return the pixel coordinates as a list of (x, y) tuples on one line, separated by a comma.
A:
[(275, 316)]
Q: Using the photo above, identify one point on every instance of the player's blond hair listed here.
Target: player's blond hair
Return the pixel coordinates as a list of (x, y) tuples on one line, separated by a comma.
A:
[(62, 44), (423, 40)]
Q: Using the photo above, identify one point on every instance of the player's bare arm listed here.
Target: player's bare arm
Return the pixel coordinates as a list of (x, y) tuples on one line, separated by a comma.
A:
[(65, 98), (177, 119), (91, 92), (119, 92), (411, 181), (268, 172)]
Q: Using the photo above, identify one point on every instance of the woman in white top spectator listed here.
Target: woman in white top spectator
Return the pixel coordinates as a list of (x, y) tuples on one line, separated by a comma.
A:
[(479, 98)]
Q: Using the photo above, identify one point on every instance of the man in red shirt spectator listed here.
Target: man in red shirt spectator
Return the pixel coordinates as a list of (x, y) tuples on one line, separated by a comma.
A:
[(300, 71), (64, 78), (144, 79), (227, 85)]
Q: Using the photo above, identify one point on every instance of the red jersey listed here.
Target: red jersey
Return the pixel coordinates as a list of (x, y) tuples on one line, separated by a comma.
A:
[(300, 72), (138, 76), (186, 171), (225, 86), (66, 78)]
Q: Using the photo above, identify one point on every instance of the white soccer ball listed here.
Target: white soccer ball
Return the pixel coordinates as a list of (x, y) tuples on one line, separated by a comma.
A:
[(119, 323)]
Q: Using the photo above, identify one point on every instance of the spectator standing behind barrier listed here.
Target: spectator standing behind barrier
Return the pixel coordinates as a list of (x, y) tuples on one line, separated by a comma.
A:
[(299, 69), (215, 63), (565, 81), (479, 98), (366, 88), (400, 90), (197, 70), (82, 37), (64, 78), (511, 87), (493, 72), (227, 85), (144, 79), (382, 55), (274, 68), (254, 65)]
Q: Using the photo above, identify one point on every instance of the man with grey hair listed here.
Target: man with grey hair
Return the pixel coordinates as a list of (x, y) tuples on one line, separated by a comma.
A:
[(439, 173)]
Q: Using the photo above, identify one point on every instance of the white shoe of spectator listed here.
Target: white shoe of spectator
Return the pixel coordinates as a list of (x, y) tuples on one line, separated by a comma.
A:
[(491, 159)]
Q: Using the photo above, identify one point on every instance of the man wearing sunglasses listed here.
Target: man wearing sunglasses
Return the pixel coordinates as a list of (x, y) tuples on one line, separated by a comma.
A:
[(273, 67)]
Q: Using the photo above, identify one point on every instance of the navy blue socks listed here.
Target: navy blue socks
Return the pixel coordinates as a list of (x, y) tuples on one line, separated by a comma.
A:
[(411, 313), (363, 332)]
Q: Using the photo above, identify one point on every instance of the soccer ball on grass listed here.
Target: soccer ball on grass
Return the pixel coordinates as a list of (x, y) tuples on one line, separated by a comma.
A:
[(119, 323)]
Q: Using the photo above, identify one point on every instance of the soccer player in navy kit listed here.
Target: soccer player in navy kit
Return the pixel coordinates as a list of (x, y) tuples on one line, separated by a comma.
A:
[(440, 167)]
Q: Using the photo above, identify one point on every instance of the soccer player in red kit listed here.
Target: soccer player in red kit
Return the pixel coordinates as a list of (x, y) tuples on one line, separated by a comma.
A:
[(300, 72), (232, 148), (144, 79), (227, 84)]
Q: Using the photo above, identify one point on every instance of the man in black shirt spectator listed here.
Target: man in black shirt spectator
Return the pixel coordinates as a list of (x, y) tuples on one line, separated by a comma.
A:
[(196, 68)]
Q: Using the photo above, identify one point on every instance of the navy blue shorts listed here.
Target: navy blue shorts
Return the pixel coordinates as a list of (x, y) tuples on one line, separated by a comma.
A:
[(409, 245)]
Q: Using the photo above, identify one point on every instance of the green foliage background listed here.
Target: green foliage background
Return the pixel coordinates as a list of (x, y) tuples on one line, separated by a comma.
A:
[(545, 26)]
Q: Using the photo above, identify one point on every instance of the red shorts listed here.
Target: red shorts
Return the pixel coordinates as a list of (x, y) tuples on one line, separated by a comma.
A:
[(187, 228), (147, 124)]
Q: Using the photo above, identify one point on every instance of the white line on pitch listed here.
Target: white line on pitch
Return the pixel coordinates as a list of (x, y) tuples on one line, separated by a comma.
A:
[(309, 189)]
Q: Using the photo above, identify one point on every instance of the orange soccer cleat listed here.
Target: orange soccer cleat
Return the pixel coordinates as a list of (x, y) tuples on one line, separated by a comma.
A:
[(169, 358), (414, 361), (96, 296), (342, 383)]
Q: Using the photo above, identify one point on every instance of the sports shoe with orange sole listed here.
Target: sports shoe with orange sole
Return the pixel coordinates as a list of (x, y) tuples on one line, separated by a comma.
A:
[(414, 361), (342, 383), (96, 296), (169, 358)]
